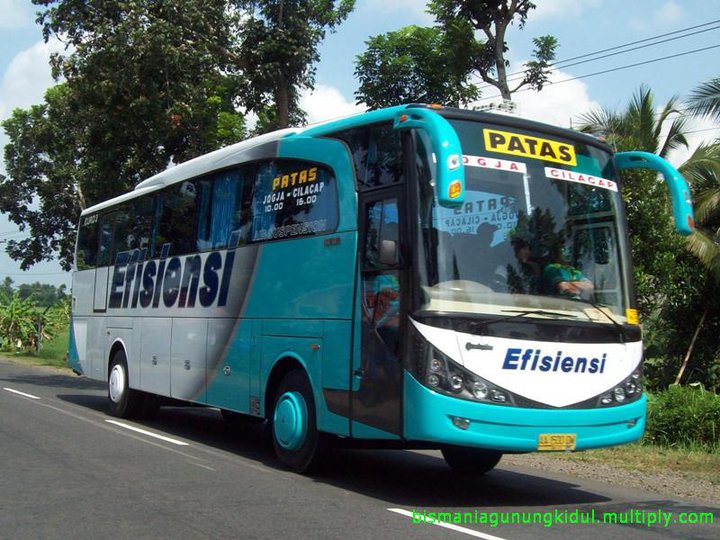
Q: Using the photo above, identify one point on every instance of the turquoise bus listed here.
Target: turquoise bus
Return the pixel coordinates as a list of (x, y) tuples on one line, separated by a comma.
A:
[(411, 277)]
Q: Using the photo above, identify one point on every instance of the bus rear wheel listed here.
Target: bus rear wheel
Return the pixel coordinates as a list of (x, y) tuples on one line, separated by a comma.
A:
[(124, 402), (470, 460), (295, 436)]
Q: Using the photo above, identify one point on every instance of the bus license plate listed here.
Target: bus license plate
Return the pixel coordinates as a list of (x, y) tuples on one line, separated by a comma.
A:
[(556, 442)]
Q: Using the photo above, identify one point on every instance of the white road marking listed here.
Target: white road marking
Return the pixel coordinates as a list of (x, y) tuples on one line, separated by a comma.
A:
[(470, 532), (23, 394), (149, 434)]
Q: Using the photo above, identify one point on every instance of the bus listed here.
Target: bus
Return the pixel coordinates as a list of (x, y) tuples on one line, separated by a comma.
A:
[(412, 277)]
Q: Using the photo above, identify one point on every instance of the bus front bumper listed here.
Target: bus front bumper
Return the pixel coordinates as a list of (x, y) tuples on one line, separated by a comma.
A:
[(434, 417)]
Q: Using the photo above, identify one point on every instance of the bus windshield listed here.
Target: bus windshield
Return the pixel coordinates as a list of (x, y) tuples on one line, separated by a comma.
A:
[(539, 234)]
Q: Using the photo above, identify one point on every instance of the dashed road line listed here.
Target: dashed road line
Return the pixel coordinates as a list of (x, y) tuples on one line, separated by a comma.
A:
[(148, 433), (23, 394)]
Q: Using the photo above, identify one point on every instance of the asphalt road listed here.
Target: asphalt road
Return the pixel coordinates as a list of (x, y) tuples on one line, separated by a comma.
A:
[(69, 470)]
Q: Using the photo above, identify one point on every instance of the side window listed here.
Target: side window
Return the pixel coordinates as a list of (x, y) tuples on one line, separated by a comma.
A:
[(177, 217), (87, 248), (105, 240), (382, 235), (293, 198), (224, 216), (377, 154), (133, 226)]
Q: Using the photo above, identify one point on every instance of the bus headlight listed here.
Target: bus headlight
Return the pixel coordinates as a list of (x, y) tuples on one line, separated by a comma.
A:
[(448, 377), (627, 391)]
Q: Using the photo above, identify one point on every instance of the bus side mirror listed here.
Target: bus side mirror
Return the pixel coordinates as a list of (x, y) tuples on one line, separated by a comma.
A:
[(446, 150), (679, 191)]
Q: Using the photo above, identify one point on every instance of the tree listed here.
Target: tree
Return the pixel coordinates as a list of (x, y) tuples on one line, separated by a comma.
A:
[(492, 19), (469, 38), (413, 64), (653, 242), (102, 130), (279, 42), (705, 100), (671, 286)]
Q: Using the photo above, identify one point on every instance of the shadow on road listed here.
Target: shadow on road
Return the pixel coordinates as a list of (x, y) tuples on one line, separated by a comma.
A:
[(397, 477)]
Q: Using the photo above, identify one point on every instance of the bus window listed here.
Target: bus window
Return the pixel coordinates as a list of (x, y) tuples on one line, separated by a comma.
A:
[(377, 154), (87, 243), (293, 198), (133, 226), (105, 240), (177, 207)]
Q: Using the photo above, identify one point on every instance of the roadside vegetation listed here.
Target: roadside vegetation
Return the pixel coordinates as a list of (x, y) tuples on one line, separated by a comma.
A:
[(34, 322)]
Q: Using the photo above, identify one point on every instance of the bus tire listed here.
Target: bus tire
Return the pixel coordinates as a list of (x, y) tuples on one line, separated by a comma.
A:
[(124, 402), (295, 436), (470, 460)]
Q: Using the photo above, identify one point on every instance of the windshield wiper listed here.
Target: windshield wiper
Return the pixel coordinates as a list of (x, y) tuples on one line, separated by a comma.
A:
[(621, 331), (521, 312)]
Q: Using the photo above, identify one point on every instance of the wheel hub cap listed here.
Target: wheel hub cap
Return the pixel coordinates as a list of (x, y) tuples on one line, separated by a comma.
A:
[(290, 421)]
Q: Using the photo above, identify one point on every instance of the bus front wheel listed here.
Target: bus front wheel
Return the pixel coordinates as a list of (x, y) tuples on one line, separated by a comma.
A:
[(124, 402), (296, 439), (470, 460)]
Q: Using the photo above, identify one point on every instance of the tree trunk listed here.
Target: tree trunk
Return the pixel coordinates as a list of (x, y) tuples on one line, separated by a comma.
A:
[(690, 348)]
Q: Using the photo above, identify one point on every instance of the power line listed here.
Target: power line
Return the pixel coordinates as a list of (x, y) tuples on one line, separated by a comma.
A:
[(561, 64), (628, 66)]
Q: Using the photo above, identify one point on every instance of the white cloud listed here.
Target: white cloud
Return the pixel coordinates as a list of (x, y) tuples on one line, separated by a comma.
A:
[(15, 13), (669, 13), (25, 81), (27, 77), (556, 104), (699, 130), (327, 103)]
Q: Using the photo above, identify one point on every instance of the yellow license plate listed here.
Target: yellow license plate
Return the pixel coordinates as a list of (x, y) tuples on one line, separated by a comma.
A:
[(556, 442)]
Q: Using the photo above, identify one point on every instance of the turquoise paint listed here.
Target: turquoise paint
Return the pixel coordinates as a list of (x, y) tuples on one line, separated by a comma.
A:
[(370, 117), (290, 421), (679, 191), (513, 429), (450, 177), (363, 431), (450, 181), (73, 357)]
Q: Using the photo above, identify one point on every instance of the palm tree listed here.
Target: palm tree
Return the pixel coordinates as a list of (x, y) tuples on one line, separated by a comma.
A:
[(705, 100), (639, 127)]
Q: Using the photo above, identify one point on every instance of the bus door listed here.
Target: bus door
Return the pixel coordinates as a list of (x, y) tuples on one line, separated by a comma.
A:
[(378, 401), (102, 274)]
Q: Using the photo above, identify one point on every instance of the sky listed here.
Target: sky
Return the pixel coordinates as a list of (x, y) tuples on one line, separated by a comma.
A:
[(687, 57)]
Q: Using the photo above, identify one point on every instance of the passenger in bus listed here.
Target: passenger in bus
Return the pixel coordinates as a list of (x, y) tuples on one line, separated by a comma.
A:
[(561, 279), (523, 277)]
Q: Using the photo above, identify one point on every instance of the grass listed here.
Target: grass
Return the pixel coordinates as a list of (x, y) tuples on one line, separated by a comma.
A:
[(689, 461), (52, 353)]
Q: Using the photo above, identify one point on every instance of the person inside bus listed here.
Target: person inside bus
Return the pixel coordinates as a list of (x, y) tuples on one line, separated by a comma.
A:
[(561, 279), (523, 277)]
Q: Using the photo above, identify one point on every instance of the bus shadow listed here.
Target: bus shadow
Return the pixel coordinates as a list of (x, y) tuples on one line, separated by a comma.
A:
[(398, 477), (423, 480)]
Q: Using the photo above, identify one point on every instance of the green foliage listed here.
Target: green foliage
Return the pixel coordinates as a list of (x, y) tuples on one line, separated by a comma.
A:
[(491, 19), (24, 308), (278, 49), (705, 100), (102, 130), (414, 64), (436, 64), (684, 416)]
